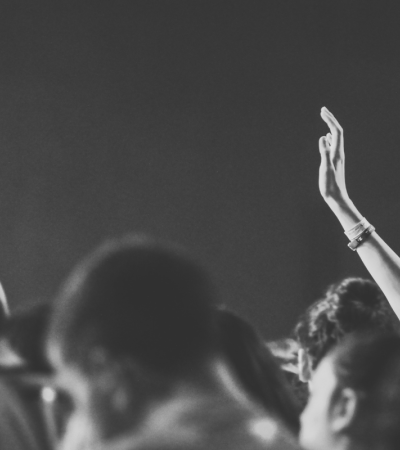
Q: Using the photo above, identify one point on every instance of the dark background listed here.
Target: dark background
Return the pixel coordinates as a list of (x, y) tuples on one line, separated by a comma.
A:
[(198, 122)]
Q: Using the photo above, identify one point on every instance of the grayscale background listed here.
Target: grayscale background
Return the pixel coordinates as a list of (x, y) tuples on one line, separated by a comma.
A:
[(198, 122)]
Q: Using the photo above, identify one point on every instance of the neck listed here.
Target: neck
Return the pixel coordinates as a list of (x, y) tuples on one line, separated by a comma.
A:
[(192, 410), (347, 444)]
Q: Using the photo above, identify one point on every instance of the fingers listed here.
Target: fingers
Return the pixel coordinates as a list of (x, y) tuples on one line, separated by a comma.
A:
[(324, 149), (331, 121), (323, 144)]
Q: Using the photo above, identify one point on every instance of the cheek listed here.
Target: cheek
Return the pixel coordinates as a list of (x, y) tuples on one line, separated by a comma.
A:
[(314, 413), (314, 425), (306, 418), (310, 429), (78, 434)]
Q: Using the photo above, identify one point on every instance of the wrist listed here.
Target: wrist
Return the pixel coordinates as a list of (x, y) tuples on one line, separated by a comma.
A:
[(346, 212)]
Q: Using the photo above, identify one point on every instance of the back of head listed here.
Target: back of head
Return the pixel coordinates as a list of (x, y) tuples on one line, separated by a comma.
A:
[(353, 304), (139, 299), (256, 368), (386, 407), (369, 364)]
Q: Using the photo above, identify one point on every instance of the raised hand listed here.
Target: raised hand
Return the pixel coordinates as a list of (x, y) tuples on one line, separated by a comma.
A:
[(332, 183), (380, 260)]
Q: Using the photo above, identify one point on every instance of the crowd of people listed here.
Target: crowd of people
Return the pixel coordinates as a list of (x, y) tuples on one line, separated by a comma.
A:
[(137, 352)]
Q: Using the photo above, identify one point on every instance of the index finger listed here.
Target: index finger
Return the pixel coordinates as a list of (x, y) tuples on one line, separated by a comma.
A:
[(331, 121)]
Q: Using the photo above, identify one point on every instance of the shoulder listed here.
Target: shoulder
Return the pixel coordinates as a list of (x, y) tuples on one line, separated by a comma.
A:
[(20, 426)]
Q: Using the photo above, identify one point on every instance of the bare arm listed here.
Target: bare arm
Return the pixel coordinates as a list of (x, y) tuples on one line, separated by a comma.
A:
[(380, 260), (4, 311)]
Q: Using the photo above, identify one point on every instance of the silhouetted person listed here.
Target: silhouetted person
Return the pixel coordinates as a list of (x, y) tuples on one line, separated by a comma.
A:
[(23, 335), (134, 343)]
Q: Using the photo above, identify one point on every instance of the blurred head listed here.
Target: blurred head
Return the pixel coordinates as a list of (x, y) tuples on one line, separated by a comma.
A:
[(256, 368), (341, 412), (353, 304), (132, 318)]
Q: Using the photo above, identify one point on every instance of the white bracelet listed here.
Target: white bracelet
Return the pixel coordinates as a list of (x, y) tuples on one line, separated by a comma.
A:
[(358, 229), (355, 243)]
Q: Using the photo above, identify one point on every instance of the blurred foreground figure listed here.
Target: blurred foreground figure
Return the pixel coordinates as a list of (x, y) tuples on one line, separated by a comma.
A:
[(21, 424), (134, 344), (22, 339), (355, 396), (22, 416)]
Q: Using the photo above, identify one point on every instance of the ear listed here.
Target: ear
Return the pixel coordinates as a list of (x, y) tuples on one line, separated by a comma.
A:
[(304, 364), (343, 410), (127, 385)]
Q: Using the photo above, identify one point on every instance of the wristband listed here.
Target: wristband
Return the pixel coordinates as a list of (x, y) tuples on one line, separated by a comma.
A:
[(358, 229), (355, 243)]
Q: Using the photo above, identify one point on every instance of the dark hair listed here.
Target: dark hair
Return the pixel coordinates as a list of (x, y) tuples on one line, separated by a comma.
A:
[(256, 368), (139, 299), (353, 304), (386, 407), (363, 362), (25, 333)]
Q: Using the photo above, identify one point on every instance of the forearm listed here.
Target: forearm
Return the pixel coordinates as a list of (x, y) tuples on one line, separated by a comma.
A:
[(380, 260), (345, 211), (384, 266)]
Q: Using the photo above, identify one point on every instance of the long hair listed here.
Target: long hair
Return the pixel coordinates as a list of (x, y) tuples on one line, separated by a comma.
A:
[(256, 368)]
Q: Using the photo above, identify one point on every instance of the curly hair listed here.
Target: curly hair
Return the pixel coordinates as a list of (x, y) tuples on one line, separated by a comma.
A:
[(353, 304)]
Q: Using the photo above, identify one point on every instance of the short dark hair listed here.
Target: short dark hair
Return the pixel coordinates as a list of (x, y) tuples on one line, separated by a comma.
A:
[(364, 362), (139, 298), (353, 304), (385, 431)]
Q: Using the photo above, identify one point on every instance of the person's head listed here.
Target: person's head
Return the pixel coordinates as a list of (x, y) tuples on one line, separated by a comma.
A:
[(256, 368), (353, 304), (341, 412), (132, 318)]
